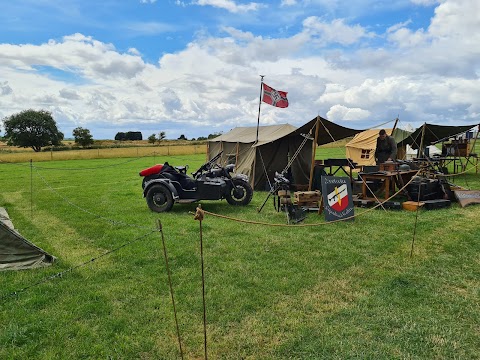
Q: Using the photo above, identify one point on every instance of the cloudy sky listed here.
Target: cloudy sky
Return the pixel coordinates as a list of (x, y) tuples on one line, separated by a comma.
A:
[(193, 67)]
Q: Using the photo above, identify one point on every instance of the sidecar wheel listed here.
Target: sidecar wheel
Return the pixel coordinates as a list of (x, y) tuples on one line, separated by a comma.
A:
[(240, 194), (159, 198)]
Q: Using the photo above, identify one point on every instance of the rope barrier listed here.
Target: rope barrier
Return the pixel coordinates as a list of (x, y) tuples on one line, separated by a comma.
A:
[(61, 273), (203, 212), (66, 200)]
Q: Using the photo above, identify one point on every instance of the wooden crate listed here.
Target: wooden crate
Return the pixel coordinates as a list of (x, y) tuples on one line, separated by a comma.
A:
[(307, 198)]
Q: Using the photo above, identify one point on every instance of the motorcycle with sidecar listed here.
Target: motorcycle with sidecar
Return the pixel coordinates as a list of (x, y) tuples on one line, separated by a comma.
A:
[(163, 185)]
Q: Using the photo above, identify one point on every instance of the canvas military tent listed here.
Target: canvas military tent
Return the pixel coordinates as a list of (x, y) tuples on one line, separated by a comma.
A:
[(276, 146), (260, 159), (16, 252), (361, 149)]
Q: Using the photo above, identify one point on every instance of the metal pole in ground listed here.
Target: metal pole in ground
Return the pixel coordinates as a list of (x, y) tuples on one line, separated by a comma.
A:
[(159, 226), (199, 215), (31, 188)]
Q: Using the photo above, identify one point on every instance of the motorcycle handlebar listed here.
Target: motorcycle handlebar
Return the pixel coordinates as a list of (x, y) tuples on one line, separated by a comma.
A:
[(208, 165)]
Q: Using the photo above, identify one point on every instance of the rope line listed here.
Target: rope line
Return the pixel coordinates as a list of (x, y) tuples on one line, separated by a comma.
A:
[(97, 216), (205, 212), (352, 166), (61, 273)]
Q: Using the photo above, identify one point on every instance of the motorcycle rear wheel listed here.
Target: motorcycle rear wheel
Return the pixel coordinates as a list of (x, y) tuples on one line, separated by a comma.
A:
[(159, 198), (240, 194)]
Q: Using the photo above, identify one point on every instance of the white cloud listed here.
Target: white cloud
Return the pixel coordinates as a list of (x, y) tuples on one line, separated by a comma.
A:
[(230, 5), (288, 2), (335, 31), (340, 112)]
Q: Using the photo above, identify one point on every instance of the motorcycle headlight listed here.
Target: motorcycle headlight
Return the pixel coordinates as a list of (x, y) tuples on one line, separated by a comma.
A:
[(230, 167)]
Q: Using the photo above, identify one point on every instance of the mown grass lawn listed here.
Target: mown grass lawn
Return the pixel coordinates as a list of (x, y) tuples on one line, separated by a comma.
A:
[(344, 290)]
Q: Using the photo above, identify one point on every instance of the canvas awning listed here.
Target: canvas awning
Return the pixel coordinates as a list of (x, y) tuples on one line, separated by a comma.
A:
[(328, 131), (434, 134)]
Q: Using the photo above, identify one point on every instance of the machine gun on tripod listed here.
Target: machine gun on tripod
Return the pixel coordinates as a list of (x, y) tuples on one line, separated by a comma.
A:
[(282, 200)]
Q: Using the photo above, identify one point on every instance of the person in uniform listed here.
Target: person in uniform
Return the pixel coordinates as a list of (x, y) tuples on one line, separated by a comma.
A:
[(386, 149)]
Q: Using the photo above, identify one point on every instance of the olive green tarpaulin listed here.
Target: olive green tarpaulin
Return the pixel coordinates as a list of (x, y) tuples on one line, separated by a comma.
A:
[(17, 253), (433, 134)]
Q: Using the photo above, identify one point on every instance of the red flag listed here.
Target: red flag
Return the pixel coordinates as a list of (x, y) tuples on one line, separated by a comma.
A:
[(274, 97)]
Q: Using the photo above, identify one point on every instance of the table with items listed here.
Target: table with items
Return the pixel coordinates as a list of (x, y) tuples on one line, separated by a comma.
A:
[(388, 180)]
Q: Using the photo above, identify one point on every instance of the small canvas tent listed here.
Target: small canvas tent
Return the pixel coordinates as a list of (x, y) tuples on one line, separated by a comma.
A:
[(412, 153), (258, 159), (361, 149), (17, 253)]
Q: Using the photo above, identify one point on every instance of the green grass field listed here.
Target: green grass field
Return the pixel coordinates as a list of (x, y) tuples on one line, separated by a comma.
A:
[(343, 290)]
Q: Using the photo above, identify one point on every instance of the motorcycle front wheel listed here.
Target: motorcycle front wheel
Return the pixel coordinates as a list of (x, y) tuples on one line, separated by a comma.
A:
[(159, 198), (240, 194)]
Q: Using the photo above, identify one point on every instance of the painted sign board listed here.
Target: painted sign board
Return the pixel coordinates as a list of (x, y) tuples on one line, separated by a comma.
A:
[(337, 198)]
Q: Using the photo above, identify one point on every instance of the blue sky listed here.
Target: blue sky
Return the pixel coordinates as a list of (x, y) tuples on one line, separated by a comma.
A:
[(192, 66)]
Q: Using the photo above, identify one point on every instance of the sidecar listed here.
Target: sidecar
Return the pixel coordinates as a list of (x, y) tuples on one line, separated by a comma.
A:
[(163, 185)]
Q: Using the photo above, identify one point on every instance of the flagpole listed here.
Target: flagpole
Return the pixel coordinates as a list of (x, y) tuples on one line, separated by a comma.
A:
[(259, 105)]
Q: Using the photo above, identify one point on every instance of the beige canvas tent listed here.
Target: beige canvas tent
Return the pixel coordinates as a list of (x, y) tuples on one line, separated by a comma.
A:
[(259, 160), (16, 252), (276, 147), (361, 149)]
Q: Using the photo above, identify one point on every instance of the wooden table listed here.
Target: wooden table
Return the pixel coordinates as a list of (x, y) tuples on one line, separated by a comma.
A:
[(340, 164), (389, 180)]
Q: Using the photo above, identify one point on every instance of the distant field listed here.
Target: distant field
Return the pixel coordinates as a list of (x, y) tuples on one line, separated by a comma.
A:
[(130, 149)]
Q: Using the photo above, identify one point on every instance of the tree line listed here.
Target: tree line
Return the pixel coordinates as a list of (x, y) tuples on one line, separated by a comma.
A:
[(36, 129)]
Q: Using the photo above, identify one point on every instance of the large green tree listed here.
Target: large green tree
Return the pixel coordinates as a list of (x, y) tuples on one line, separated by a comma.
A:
[(82, 136), (31, 128)]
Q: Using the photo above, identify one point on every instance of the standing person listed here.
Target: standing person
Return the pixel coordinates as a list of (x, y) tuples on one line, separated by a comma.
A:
[(386, 149)]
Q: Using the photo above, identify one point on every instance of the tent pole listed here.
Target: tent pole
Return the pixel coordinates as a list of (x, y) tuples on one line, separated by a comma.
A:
[(392, 134), (314, 152), (472, 148), (395, 125), (254, 167), (236, 155), (422, 152)]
